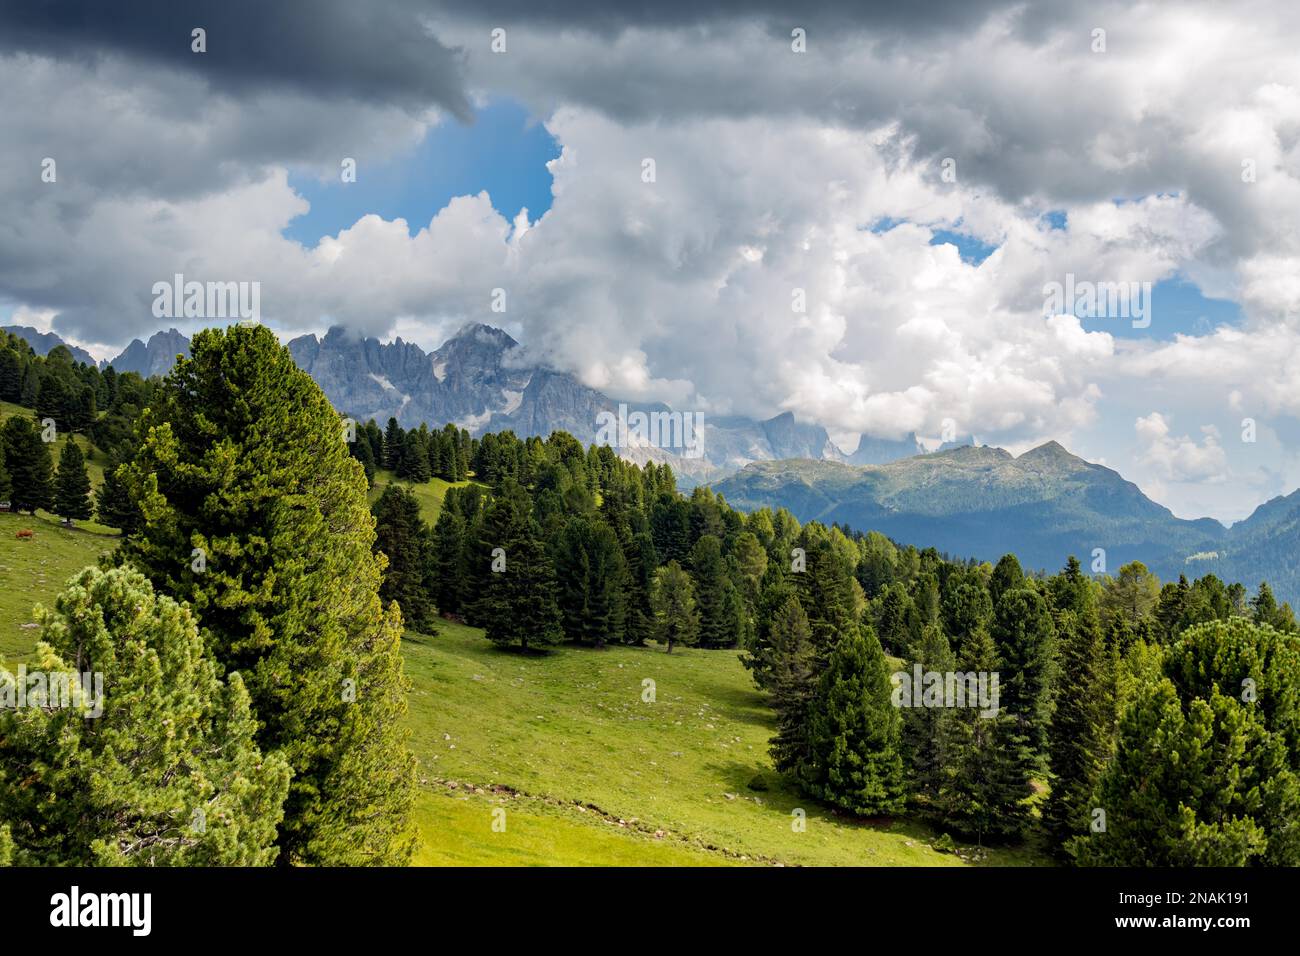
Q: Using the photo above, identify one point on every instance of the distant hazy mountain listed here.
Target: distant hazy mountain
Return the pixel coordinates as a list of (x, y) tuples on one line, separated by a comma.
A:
[(880, 451), (43, 342), (1047, 504), (155, 358)]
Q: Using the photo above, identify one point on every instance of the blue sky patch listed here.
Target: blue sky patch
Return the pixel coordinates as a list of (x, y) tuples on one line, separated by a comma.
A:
[(502, 151), (972, 251)]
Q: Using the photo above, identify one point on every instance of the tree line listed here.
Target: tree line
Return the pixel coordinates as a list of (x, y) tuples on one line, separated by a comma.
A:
[(554, 542)]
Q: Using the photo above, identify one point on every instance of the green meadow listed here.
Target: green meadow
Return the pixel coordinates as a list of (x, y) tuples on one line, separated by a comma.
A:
[(621, 756)]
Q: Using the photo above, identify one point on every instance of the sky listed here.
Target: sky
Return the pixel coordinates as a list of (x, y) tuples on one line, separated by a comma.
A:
[(855, 212)]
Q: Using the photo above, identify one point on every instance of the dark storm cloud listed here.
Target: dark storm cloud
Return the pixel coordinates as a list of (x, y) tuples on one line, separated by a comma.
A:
[(887, 17), (375, 51)]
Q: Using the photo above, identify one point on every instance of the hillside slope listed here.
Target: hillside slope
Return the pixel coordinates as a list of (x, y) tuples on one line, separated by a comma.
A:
[(571, 732), (982, 502)]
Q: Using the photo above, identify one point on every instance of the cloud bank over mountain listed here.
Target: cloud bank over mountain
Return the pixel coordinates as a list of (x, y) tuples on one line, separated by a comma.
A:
[(858, 233)]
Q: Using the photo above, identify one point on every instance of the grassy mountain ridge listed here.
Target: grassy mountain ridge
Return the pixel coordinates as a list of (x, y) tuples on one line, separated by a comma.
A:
[(1044, 505)]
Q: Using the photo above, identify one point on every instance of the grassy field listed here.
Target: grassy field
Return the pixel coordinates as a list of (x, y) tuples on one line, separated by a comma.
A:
[(568, 740), (35, 570), (586, 771), (95, 461), (429, 495)]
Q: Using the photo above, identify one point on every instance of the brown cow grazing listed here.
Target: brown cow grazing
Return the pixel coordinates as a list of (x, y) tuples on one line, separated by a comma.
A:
[(25, 533)]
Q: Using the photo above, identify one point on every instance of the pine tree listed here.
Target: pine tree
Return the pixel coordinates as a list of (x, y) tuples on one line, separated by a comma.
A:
[(1207, 767), (31, 387), (1025, 637), (27, 459), (394, 446), (986, 786), (167, 773), (853, 731), (6, 485), (515, 603), (361, 451), (113, 503), (677, 621), (11, 375), (1194, 783), (760, 656), (709, 572), (1007, 576), (927, 724), (591, 575), (1082, 731), (790, 663), (400, 535), (898, 621), (241, 463), (641, 565), (448, 557), (72, 485), (414, 465), (825, 589)]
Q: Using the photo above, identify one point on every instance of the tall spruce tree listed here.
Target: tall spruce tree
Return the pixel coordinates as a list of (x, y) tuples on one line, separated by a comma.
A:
[(986, 788), (641, 563), (394, 446), (449, 557), (1082, 731), (255, 515), (156, 766), (927, 729), (72, 485), (400, 535), (853, 731), (677, 621), (515, 576), (114, 505), (789, 662), (414, 465), (591, 575), (27, 459), (825, 588), (1025, 637), (709, 572)]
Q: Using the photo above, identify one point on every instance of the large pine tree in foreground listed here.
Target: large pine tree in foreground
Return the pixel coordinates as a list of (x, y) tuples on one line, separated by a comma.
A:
[(155, 767), (985, 788), (255, 514)]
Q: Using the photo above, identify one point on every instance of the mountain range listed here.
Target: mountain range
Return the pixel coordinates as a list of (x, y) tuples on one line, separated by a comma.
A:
[(478, 380), (43, 343), (967, 500), (1046, 504)]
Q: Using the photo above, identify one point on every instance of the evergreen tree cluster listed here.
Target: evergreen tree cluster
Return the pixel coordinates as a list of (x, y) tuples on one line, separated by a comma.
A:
[(595, 550), (79, 397), (414, 455), (247, 637)]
